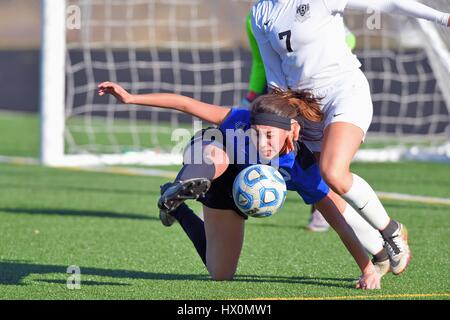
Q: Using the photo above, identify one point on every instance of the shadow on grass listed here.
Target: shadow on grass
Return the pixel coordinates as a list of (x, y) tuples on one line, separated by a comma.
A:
[(115, 215), (68, 188), (13, 272), (79, 213)]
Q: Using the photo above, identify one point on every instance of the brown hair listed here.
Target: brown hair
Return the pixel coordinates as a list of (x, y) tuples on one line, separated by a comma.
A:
[(289, 104), (297, 105)]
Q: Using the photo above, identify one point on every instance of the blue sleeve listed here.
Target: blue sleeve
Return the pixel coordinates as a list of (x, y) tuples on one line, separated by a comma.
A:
[(308, 183), (236, 119)]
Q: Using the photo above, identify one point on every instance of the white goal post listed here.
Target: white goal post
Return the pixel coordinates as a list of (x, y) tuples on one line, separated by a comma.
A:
[(199, 48), (52, 82)]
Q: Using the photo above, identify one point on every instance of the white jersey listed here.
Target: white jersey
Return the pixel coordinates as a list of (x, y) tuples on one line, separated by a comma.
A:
[(302, 44), (302, 41)]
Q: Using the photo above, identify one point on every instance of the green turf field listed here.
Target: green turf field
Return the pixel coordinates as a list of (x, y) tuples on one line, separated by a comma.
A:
[(107, 225), (88, 134)]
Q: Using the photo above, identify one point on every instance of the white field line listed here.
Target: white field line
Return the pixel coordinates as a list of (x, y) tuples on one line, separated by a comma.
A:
[(172, 174), (412, 198)]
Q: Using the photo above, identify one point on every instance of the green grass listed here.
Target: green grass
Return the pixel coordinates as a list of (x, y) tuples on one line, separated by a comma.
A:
[(20, 132), (19, 135), (98, 135), (107, 225)]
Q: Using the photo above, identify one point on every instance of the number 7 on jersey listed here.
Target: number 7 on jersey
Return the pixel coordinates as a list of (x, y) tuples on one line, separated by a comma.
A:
[(286, 34)]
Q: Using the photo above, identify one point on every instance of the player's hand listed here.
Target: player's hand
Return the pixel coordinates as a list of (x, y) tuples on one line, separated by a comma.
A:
[(369, 281), (116, 90)]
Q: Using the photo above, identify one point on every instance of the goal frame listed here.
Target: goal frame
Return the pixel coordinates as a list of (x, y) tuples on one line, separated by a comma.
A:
[(52, 81), (53, 100)]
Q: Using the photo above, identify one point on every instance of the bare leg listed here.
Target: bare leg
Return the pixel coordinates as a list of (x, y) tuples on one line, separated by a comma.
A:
[(224, 240), (341, 141)]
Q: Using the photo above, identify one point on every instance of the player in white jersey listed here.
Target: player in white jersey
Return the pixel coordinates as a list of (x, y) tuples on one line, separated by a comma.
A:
[(258, 86), (302, 46)]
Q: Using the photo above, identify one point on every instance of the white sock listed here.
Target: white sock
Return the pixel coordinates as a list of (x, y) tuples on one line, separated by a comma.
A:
[(364, 200), (369, 237)]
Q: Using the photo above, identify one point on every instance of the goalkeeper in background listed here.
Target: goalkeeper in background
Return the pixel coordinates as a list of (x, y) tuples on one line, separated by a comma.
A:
[(258, 86)]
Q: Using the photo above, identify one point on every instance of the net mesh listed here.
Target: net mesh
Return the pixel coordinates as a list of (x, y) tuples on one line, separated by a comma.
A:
[(199, 48)]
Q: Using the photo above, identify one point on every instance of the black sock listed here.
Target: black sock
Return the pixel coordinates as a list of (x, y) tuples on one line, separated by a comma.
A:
[(390, 229), (194, 227), (380, 256), (190, 171)]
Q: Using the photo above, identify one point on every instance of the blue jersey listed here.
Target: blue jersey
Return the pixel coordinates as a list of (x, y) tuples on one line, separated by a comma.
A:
[(299, 168)]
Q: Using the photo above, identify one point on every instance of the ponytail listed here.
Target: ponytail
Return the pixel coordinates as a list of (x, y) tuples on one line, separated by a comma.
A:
[(298, 105), (304, 102)]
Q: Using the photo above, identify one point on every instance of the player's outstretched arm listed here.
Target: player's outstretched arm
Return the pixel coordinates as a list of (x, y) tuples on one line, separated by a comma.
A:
[(408, 8), (208, 112), (328, 206)]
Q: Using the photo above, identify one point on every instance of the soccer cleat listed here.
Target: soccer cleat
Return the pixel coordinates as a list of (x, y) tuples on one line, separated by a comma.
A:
[(166, 218), (176, 193), (382, 267), (317, 222), (398, 250)]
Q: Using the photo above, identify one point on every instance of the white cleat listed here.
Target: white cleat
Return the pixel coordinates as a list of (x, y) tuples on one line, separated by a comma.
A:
[(398, 250), (317, 222)]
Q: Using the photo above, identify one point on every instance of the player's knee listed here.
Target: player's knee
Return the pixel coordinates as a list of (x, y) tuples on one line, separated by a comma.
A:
[(222, 275), (335, 178)]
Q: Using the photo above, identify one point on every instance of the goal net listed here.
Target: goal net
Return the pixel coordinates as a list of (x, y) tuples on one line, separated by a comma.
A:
[(407, 63), (199, 48)]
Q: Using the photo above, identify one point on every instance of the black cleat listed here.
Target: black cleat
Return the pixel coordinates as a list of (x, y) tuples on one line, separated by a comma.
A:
[(176, 193), (166, 218)]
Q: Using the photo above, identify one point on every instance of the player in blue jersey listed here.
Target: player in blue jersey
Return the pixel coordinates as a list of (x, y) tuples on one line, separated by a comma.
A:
[(273, 126)]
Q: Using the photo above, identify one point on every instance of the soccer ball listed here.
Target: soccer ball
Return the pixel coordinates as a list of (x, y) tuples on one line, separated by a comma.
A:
[(259, 191)]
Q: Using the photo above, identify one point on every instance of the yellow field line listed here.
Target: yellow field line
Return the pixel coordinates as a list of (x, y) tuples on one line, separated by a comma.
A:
[(140, 172), (19, 161), (379, 296)]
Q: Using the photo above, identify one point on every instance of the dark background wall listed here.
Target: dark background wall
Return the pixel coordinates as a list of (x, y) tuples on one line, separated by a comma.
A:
[(19, 69), (19, 80)]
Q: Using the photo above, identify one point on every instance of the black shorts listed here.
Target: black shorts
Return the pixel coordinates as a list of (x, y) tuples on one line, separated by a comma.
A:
[(220, 194)]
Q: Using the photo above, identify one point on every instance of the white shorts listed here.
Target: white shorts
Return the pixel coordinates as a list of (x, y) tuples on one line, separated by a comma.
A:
[(346, 101)]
